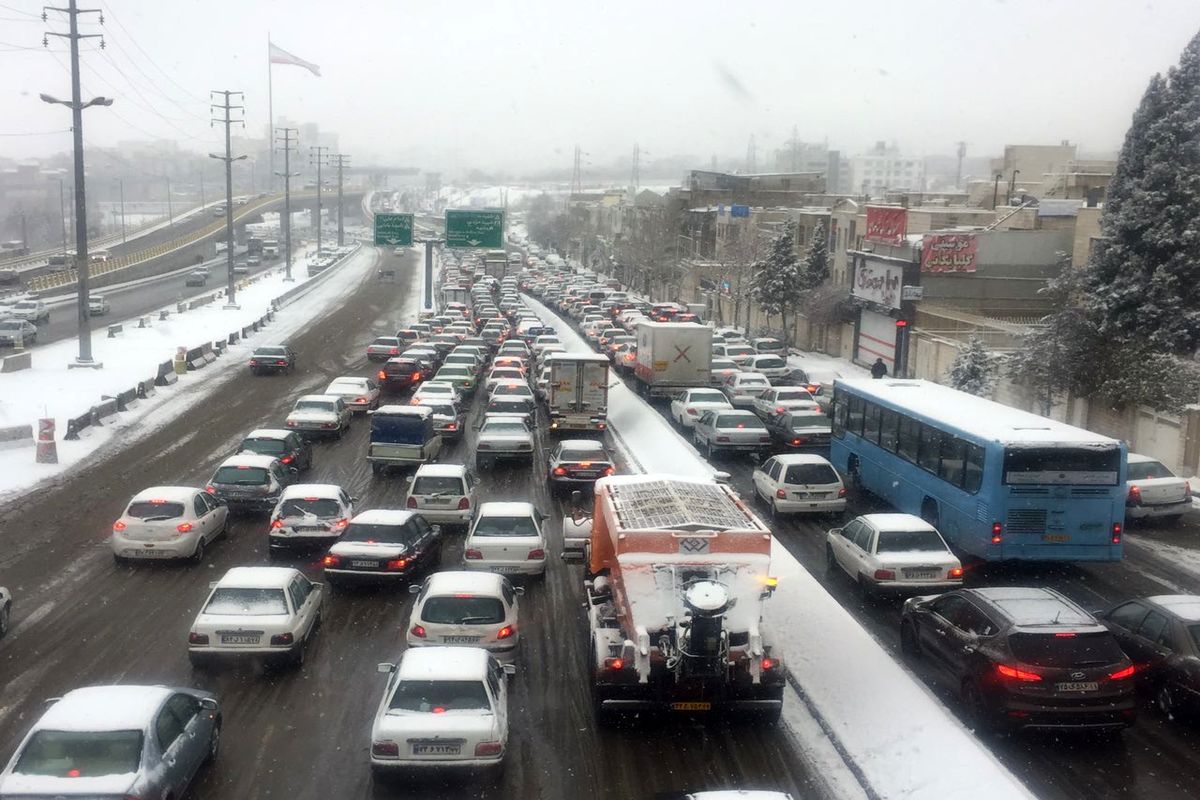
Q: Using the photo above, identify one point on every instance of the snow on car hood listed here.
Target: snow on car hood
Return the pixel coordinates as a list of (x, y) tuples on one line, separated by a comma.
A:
[(312, 415)]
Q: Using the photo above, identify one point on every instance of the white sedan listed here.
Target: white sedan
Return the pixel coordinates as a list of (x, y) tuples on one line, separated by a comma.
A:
[(798, 482), (269, 612), (360, 394), (774, 402), (688, 406), (1155, 491), (474, 609), (893, 552), (167, 522), (308, 515), (442, 707), (506, 538)]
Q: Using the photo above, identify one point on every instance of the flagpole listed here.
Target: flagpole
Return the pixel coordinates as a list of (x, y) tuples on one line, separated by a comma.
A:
[(270, 115)]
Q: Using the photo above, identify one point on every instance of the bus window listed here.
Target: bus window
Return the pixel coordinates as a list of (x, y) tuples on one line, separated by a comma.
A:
[(871, 423), (854, 423), (839, 413), (974, 473), (930, 448), (953, 463), (888, 430), (910, 430)]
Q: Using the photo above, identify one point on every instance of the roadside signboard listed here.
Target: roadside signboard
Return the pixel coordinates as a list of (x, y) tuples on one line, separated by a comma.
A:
[(474, 227), (393, 230)]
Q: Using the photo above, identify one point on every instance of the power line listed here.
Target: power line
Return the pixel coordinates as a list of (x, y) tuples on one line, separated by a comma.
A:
[(41, 133), (21, 11), (136, 44), (153, 84)]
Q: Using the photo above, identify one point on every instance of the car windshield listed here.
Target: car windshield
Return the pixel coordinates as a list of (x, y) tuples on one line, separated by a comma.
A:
[(315, 405), (324, 507), (770, 345), (753, 382), (1148, 470), (770, 362), (438, 484), (711, 396), (1065, 650), (503, 427), (270, 351), (907, 541), (25, 305), (433, 388), (739, 350), (513, 388), (80, 754), (346, 387), (241, 476), (505, 526), (462, 610), (792, 394), (375, 533), (809, 474), (723, 364), (244, 601), (740, 421), (386, 342), (151, 510), (809, 422), (581, 454), (439, 697), (10, 325), (266, 447)]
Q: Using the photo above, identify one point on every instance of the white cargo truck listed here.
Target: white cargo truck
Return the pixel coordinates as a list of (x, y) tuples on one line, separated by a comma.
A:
[(671, 357), (578, 392)]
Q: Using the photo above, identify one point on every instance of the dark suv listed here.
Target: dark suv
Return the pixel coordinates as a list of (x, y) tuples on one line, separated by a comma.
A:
[(272, 359), (1022, 658), (292, 449), (402, 374)]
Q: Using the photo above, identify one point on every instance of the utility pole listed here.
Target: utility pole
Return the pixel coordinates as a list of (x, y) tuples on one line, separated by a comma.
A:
[(962, 152), (289, 145), (341, 161), (62, 208), (316, 155), (77, 105), (227, 120), (636, 174), (24, 233), (201, 187), (170, 210), (121, 182)]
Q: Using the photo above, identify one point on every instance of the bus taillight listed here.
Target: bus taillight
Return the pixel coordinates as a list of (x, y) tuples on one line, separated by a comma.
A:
[(997, 533), (1116, 533)]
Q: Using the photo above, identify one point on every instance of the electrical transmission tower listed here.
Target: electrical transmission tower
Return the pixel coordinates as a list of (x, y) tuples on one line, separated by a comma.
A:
[(290, 145), (227, 120), (341, 161), (316, 155)]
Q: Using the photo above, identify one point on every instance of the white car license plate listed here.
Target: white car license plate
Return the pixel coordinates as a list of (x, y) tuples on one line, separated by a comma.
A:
[(922, 574), (506, 570), (436, 749), (150, 553), (240, 638), (460, 639), (1077, 686), (437, 501), (586, 475), (365, 564)]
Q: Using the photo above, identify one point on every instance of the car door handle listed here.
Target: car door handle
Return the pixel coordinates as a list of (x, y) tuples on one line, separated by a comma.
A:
[(939, 631)]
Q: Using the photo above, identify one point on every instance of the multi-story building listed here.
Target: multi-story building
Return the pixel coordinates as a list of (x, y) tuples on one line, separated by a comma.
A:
[(883, 168)]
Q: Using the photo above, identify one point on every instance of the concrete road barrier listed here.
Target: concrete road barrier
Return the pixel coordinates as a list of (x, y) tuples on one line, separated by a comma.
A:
[(113, 330), (16, 363), (125, 398), (16, 436), (106, 408), (74, 426)]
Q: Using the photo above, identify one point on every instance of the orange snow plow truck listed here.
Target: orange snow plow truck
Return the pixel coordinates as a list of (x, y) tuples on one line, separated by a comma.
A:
[(677, 573)]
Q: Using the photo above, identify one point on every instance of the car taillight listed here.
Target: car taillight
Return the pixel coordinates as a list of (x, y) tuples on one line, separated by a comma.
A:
[(472, 554), (537, 554), (328, 424), (286, 459), (119, 526), (418, 631), (416, 376), (396, 563), (395, 351), (412, 502), (1135, 496), (505, 632), (769, 663), (277, 524), (281, 363), (1116, 533), (813, 388), (382, 375), (341, 523), (954, 572), (885, 575), (781, 494), (779, 409), (1187, 489), (488, 749), (1122, 673), (1005, 671), (560, 471), (722, 438), (692, 412), (615, 664), (842, 491), (253, 362), (764, 438), (210, 489), (280, 639), (451, 426), (609, 471), (997, 533), (331, 561), (290, 424), (184, 527), (385, 749), (197, 638)]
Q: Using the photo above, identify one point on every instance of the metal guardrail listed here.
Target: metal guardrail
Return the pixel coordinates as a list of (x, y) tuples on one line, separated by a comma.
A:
[(57, 280)]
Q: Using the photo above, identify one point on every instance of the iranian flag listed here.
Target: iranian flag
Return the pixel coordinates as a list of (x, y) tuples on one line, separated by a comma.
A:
[(280, 56)]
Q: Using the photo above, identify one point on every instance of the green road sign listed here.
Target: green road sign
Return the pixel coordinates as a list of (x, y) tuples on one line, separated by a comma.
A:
[(393, 230), (474, 228)]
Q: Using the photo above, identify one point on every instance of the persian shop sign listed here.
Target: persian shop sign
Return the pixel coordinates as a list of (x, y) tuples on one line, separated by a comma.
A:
[(886, 224), (878, 282), (949, 252)]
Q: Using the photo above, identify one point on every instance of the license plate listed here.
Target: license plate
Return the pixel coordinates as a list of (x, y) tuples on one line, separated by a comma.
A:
[(240, 638), (1055, 537), (802, 495), (691, 706), (922, 574), (365, 564), (438, 501), (1077, 686), (506, 570), (436, 749), (585, 474), (150, 553), (309, 528), (460, 639)]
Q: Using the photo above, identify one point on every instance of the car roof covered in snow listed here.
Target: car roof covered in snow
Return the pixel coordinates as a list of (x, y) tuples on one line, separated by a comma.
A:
[(249, 460), (441, 471), (104, 708), (464, 582), (1184, 606), (257, 577), (172, 494), (443, 664), (311, 490), (269, 433)]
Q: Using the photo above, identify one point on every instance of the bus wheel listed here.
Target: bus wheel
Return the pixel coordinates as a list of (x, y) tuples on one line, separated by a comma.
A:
[(852, 476), (929, 511)]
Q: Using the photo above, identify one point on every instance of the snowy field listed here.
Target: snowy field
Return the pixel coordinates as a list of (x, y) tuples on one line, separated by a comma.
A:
[(49, 389), (905, 742)]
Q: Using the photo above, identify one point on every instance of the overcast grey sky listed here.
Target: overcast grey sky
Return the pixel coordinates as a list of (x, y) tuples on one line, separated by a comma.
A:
[(515, 85)]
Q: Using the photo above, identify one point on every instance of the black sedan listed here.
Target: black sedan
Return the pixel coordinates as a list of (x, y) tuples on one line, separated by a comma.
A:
[(1162, 636), (799, 429), (578, 464), (402, 374), (265, 360), (288, 446)]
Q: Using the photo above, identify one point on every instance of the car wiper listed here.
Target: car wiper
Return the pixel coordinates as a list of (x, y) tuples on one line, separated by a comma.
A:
[(473, 620)]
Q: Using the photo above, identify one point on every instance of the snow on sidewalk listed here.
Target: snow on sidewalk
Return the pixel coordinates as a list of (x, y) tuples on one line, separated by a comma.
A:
[(49, 389), (903, 740)]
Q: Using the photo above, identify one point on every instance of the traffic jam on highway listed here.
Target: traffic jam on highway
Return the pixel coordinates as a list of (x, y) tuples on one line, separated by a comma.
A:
[(903, 496)]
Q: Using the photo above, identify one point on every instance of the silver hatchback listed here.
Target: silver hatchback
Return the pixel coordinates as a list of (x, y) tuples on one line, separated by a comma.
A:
[(730, 430)]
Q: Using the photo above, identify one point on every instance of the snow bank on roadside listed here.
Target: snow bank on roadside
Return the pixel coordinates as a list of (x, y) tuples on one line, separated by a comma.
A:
[(49, 389), (905, 742)]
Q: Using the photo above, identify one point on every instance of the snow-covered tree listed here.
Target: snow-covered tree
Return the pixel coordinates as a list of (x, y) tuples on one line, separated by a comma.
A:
[(777, 284), (973, 369), (816, 259), (1145, 277)]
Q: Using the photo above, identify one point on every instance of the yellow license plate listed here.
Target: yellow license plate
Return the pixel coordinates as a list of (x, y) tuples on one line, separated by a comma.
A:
[(1055, 537), (691, 706)]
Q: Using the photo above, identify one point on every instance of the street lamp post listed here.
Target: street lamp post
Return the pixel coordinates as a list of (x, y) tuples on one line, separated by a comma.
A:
[(121, 181)]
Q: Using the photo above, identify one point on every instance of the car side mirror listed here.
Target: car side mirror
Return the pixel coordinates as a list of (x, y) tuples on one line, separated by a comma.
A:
[(722, 477), (519, 591), (510, 669), (385, 669), (209, 704), (414, 588), (836, 531)]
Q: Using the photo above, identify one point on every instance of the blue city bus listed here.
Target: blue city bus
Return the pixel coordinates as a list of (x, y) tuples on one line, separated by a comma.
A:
[(999, 483)]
